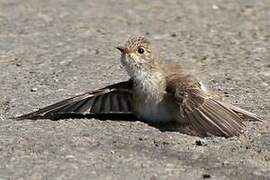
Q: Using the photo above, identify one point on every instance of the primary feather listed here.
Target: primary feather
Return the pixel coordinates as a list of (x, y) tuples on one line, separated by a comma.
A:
[(114, 99)]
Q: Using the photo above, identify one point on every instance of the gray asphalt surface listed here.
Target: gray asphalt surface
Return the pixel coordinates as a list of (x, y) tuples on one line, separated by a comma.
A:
[(51, 50)]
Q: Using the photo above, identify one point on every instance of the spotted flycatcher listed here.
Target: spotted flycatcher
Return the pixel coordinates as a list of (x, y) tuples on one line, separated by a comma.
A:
[(156, 92)]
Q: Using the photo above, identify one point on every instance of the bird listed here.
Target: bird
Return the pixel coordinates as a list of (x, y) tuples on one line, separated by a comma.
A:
[(156, 93)]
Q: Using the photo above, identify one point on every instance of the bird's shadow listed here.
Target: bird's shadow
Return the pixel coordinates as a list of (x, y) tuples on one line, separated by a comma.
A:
[(162, 126)]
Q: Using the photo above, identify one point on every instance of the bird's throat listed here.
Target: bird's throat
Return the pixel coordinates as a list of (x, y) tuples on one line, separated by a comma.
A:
[(150, 86)]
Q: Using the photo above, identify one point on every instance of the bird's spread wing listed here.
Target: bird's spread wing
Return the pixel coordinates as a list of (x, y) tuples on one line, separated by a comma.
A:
[(113, 99), (204, 114)]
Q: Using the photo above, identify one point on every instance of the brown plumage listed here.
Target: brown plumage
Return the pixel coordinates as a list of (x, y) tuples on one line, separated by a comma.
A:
[(206, 115), (155, 93)]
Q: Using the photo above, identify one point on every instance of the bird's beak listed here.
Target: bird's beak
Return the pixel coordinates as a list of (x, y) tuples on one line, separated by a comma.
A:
[(121, 49)]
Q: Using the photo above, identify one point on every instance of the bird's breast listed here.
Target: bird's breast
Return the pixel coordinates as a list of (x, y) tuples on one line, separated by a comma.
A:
[(153, 107), (149, 98), (152, 112)]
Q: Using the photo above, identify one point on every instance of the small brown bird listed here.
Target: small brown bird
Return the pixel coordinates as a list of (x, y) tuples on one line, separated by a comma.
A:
[(155, 93)]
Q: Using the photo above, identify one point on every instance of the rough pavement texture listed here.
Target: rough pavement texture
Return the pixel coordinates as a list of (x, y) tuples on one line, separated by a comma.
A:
[(51, 50)]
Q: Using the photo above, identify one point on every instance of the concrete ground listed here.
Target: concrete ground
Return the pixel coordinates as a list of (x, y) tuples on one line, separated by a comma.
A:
[(54, 49)]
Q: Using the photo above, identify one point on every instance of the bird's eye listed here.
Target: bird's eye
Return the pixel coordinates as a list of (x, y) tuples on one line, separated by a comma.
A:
[(141, 50)]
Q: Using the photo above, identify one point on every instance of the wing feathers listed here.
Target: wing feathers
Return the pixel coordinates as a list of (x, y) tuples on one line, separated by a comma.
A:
[(212, 118), (206, 115), (97, 105), (112, 99), (115, 102), (106, 103), (245, 114)]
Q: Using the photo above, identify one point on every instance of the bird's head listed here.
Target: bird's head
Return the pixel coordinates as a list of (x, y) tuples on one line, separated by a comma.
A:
[(137, 55)]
